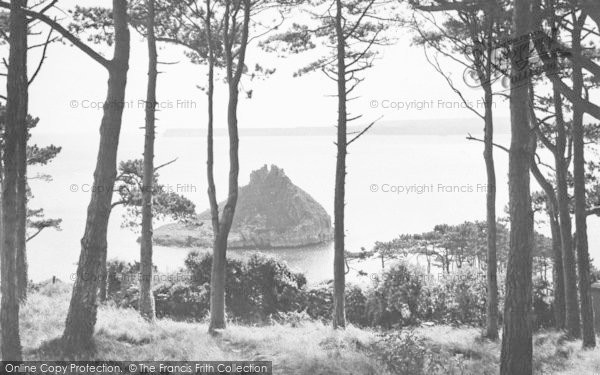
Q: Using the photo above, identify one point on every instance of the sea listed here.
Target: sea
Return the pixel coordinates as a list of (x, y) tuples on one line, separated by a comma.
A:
[(397, 183)]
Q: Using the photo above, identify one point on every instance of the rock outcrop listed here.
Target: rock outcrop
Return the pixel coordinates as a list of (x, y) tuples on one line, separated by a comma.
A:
[(271, 212)]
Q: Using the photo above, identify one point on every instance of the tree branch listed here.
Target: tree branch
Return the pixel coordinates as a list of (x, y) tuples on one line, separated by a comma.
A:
[(65, 33), (366, 129)]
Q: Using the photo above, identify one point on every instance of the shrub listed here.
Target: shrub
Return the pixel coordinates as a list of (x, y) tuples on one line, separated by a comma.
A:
[(271, 287), (318, 304), (116, 270), (403, 353), (199, 267), (465, 292), (182, 301), (255, 289), (395, 297), (458, 298)]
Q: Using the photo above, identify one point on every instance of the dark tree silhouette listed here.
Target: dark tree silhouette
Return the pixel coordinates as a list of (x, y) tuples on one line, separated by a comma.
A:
[(15, 137), (34, 218), (147, 309), (517, 346), (583, 256), (558, 277), (81, 319)]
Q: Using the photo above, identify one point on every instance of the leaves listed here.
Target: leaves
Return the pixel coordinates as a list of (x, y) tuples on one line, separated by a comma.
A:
[(166, 203), (96, 22), (461, 244)]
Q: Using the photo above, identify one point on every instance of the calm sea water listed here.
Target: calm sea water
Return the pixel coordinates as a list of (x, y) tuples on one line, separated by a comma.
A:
[(396, 184)]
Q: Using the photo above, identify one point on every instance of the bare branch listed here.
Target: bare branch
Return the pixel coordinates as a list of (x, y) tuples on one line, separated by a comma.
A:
[(366, 129)]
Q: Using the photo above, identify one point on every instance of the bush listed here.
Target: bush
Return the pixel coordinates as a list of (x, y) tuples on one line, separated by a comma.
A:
[(271, 287), (459, 298), (181, 301), (403, 353), (318, 304), (262, 288), (199, 267), (255, 289), (395, 297), (465, 292), (118, 273)]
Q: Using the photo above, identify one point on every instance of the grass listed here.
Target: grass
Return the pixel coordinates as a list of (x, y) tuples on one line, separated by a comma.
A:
[(304, 348)]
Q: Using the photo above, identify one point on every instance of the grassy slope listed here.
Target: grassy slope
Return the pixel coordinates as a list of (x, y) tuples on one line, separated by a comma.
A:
[(310, 348)]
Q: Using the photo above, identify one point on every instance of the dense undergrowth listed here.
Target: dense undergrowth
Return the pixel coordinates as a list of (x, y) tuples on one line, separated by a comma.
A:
[(295, 347)]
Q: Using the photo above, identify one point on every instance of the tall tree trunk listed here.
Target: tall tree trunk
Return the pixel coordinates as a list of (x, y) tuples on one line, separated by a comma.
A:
[(16, 116), (210, 157), (492, 272), (339, 271), (517, 348), (583, 256), (217, 311), (219, 288), (146, 269), (557, 265), (21, 231), (212, 193), (558, 275), (572, 306), (81, 318), (234, 74)]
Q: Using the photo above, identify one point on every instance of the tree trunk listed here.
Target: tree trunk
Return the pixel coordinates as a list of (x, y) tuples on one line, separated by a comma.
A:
[(21, 231), (16, 116), (234, 73), (583, 256), (103, 283), (217, 310), (339, 272), (492, 272), (81, 318), (218, 270), (212, 194), (572, 306), (558, 275), (516, 355), (147, 309)]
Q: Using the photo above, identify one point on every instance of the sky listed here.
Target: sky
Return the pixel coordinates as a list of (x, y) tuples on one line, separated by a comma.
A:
[(69, 91), (402, 86)]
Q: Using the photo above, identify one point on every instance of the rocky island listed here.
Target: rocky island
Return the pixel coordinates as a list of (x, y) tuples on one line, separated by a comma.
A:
[(271, 212)]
